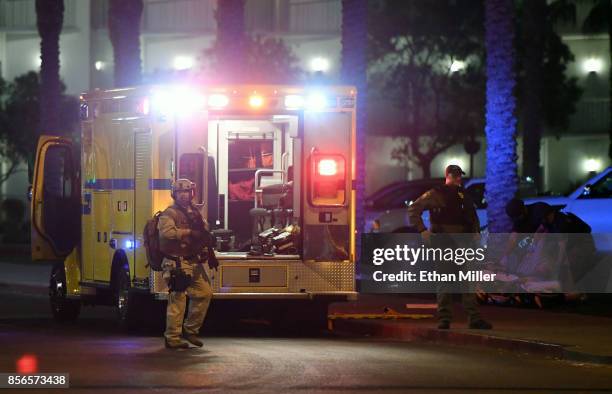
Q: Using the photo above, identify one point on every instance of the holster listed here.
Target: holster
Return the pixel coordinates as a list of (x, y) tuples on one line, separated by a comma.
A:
[(179, 280)]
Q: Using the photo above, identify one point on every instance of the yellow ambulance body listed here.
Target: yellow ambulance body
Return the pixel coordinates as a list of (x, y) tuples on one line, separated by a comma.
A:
[(275, 158)]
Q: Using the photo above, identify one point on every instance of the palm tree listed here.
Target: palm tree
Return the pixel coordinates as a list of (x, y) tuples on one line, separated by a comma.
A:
[(599, 20), (231, 39), (49, 20), (354, 65), (500, 129), (533, 25), (124, 30)]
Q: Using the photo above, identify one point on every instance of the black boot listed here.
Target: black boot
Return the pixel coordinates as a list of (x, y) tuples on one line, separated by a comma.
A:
[(180, 344), (194, 340), (480, 324)]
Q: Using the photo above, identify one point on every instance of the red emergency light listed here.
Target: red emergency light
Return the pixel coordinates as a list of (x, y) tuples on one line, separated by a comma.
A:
[(327, 167), (327, 179)]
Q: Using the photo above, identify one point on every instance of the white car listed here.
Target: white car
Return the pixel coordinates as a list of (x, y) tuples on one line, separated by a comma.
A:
[(591, 202)]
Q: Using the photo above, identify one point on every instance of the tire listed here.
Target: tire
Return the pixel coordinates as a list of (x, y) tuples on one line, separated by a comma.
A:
[(62, 308), (123, 300)]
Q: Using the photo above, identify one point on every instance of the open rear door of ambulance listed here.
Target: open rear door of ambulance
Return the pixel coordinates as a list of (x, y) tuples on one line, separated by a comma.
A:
[(56, 201)]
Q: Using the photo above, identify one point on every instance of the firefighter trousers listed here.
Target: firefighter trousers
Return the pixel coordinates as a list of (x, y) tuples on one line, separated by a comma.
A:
[(199, 293), (445, 306)]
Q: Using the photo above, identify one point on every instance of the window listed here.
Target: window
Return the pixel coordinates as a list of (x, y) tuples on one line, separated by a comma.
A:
[(601, 189), (58, 173), (60, 198), (191, 166)]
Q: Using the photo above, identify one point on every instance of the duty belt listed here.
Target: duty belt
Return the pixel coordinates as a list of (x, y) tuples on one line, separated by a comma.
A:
[(177, 259)]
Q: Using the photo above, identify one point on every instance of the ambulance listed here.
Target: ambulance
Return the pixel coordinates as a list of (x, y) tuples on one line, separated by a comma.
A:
[(274, 169)]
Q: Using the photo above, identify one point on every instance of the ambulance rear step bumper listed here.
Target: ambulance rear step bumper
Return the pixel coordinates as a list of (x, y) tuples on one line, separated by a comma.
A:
[(322, 296)]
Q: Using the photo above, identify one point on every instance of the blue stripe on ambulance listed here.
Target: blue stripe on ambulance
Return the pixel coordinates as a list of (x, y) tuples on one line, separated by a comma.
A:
[(127, 184), (119, 184)]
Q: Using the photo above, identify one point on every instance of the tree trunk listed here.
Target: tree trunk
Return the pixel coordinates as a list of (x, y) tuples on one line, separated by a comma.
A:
[(49, 20), (426, 167), (231, 40), (533, 24), (354, 66), (501, 172), (124, 18)]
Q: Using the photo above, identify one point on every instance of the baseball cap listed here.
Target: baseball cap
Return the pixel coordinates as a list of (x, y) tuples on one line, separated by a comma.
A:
[(453, 169), (515, 208)]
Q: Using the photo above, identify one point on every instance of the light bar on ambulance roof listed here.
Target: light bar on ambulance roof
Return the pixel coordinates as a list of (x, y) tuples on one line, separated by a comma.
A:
[(318, 101), (315, 101), (256, 101), (294, 101), (179, 100), (218, 101)]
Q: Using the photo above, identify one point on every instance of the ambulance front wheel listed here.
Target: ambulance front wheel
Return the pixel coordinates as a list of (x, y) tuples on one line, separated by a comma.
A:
[(62, 308)]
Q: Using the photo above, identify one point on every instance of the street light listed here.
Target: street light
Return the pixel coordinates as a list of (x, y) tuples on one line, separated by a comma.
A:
[(183, 63), (592, 65), (457, 65), (592, 165), (319, 64)]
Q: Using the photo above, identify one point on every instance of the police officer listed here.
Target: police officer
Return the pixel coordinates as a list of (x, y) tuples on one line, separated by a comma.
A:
[(451, 211), (186, 245)]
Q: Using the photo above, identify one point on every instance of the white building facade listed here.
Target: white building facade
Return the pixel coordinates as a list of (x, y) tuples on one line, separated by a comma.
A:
[(175, 34)]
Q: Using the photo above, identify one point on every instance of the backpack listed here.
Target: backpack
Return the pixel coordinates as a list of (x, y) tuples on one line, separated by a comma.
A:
[(150, 236), (577, 225)]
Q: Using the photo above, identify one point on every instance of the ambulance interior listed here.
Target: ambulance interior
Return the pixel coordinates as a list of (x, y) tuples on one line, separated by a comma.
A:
[(253, 199)]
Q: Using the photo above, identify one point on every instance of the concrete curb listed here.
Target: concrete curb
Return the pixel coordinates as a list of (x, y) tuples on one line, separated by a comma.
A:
[(403, 331)]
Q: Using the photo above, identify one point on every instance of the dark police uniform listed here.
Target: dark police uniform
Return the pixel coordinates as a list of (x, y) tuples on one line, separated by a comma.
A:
[(451, 211)]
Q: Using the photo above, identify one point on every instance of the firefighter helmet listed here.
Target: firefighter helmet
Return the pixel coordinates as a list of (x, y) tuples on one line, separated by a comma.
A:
[(182, 185)]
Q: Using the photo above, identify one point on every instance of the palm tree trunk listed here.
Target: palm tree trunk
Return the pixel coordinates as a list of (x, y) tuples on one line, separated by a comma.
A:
[(534, 19), (231, 39), (124, 29), (354, 66), (49, 20), (500, 129)]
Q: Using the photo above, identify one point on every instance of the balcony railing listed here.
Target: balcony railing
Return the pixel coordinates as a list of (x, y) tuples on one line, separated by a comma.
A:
[(319, 17), (163, 16), (20, 15), (591, 116), (315, 16), (294, 16)]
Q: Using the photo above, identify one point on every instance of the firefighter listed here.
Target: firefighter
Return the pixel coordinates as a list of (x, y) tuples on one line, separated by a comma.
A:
[(451, 211), (186, 244)]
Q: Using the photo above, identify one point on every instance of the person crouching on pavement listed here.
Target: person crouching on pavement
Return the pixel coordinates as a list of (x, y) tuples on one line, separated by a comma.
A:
[(186, 244), (451, 211)]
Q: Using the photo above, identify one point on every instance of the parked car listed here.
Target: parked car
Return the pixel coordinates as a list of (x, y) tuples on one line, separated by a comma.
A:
[(591, 202), (388, 213), (394, 199)]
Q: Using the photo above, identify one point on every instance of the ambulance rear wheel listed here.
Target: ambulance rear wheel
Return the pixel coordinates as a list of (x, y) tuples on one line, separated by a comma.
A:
[(62, 308)]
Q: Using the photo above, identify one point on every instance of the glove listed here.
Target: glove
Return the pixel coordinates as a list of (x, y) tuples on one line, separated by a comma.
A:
[(213, 263), (203, 237), (196, 235)]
